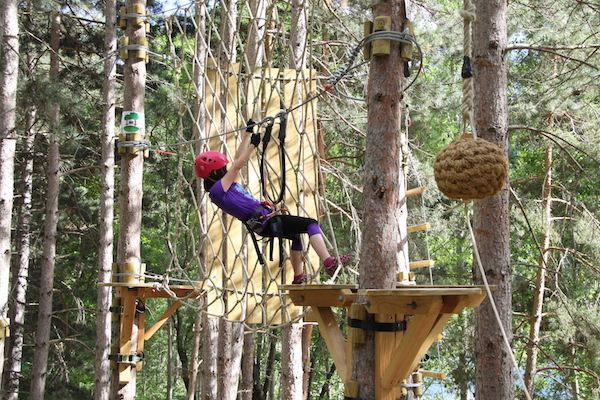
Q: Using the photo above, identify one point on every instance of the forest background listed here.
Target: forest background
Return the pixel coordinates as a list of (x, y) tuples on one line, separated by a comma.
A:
[(554, 121)]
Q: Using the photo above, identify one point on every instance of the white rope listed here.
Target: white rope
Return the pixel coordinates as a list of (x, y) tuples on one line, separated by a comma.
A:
[(493, 304)]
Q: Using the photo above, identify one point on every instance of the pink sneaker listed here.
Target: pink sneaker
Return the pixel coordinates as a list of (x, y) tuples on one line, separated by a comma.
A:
[(299, 279), (330, 265)]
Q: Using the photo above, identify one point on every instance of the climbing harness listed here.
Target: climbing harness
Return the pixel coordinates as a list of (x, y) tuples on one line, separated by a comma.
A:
[(256, 224), (263, 172)]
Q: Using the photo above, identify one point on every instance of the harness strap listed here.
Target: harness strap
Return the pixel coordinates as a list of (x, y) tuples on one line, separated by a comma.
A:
[(255, 241), (266, 139), (255, 224)]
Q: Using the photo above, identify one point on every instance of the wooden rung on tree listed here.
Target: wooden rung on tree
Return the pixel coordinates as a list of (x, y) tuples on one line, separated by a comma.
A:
[(415, 191), (433, 374), (417, 228), (421, 264)]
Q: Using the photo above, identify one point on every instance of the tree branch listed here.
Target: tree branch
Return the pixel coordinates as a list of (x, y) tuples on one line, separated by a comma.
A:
[(555, 50)]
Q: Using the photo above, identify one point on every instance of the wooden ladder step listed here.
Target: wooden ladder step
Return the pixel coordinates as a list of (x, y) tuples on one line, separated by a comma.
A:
[(415, 191), (421, 264), (417, 228)]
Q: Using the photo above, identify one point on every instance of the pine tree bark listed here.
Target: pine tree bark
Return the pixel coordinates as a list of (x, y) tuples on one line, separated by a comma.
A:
[(204, 323), (291, 362), (209, 358), (131, 191), (493, 366), (248, 366), (20, 268), (231, 340), (9, 64), (540, 280), (191, 390), (107, 199), (230, 333), (307, 330), (42, 336), (384, 189), (255, 46)]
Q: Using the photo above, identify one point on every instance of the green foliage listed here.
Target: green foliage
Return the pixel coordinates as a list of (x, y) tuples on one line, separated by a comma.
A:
[(554, 102)]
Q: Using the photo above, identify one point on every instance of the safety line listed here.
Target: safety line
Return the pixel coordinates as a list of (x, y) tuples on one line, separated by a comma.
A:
[(493, 304)]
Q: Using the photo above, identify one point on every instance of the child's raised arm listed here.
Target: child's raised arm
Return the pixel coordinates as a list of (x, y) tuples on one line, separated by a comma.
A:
[(250, 141)]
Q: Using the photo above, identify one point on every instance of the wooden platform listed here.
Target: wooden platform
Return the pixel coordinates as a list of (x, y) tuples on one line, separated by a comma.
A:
[(129, 303), (422, 311)]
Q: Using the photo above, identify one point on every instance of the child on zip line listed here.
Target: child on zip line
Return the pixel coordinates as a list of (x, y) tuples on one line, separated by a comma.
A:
[(231, 197)]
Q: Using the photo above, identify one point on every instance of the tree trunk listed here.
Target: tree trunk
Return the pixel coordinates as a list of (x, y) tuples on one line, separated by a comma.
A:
[(131, 193), (20, 268), (9, 64), (248, 366), (491, 216), (209, 358), (307, 330), (231, 340), (199, 131), (291, 362), (267, 388), (384, 190), (170, 369), (540, 281), (231, 335), (191, 391), (255, 46), (107, 199), (42, 337)]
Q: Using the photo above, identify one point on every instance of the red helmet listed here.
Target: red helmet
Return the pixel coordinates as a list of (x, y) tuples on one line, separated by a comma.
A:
[(209, 161)]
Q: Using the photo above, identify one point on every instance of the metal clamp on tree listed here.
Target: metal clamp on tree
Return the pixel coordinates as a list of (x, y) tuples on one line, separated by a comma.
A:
[(131, 359)]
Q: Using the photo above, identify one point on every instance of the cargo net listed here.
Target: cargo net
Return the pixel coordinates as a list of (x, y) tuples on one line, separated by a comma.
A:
[(229, 62)]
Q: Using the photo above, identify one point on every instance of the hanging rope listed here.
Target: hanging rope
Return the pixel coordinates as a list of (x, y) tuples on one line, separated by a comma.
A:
[(470, 168), (493, 304), (468, 14)]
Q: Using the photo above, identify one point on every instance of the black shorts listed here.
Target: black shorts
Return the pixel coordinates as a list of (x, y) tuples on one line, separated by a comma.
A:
[(292, 226)]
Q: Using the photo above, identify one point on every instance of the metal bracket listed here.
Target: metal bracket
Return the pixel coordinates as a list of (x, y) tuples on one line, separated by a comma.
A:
[(377, 326), (131, 359)]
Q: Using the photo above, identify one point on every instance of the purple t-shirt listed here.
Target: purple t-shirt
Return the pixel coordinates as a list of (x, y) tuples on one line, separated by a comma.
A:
[(235, 201)]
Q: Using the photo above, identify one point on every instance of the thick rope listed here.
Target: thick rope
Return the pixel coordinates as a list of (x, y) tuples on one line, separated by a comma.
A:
[(468, 14)]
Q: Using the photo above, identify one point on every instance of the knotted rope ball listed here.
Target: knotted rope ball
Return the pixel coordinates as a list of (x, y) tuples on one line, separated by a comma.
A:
[(470, 168)]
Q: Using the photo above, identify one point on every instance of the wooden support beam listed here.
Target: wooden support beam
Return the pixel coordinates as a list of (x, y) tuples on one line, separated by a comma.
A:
[(385, 346), (409, 305), (333, 338), (320, 295), (141, 329), (126, 332), (161, 321), (132, 295), (407, 354)]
